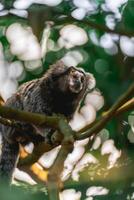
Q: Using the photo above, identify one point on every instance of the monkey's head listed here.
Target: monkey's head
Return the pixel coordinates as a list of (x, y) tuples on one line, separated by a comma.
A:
[(71, 80), (66, 87)]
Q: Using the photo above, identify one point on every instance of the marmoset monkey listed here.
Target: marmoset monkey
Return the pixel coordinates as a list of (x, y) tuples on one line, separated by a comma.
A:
[(60, 91)]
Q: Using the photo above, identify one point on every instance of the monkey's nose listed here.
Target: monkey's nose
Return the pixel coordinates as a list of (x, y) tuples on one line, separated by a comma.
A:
[(78, 84)]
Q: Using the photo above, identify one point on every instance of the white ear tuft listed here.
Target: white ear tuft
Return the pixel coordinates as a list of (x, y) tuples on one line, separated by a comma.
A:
[(91, 81)]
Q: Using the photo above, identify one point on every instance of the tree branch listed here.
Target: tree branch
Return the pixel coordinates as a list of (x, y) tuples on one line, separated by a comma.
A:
[(69, 19), (93, 24), (57, 167), (32, 118), (39, 119), (129, 105), (42, 148), (36, 154), (106, 118), (126, 107)]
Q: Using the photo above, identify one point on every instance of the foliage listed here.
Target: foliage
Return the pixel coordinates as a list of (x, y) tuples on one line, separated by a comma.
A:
[(109, 55)]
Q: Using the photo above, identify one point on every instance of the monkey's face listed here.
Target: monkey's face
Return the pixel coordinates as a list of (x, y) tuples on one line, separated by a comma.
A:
[(73, 81), (76, 80)]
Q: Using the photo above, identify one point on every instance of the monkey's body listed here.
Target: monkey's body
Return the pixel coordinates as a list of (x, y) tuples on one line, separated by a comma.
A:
[(59, 91)]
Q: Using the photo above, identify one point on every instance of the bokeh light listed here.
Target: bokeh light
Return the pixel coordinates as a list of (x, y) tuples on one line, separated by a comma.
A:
[(26, 46), (24, 4), (84, 7), (72, 58), (70, 194), (96, 190), (95, 99), (108, 147), (72, 35), (129, 48)]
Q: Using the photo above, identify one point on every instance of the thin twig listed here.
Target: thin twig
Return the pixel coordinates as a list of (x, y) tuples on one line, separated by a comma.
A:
[(38, 151), (104, 120), (70, 19), (129, 105), (93, 24)]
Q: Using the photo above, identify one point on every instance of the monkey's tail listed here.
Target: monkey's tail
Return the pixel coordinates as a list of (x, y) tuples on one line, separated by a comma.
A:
[(9, 156)]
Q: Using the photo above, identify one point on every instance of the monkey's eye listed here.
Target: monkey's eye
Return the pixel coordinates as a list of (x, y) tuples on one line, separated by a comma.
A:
[(74, 75), (82, 79), (72, 71)]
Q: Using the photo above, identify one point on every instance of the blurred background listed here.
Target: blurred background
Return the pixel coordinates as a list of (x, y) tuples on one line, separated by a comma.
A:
[(98, 36)]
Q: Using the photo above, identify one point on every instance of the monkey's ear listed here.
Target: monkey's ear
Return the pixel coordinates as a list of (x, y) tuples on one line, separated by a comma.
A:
[(91, 82)]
